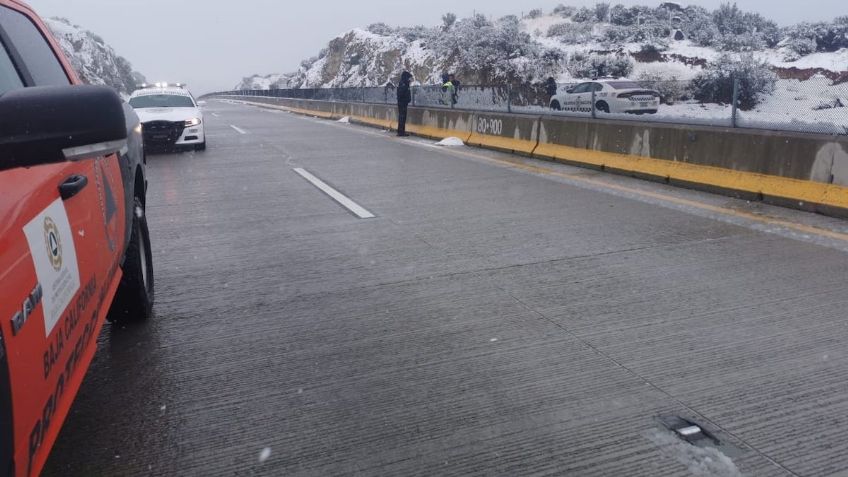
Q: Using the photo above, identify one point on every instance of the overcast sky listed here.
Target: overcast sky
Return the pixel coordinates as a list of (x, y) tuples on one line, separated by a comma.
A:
[(212, 44)]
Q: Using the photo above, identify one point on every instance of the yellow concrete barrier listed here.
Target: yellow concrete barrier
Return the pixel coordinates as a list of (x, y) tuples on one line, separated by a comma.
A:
[(509, 133), (801, 171)]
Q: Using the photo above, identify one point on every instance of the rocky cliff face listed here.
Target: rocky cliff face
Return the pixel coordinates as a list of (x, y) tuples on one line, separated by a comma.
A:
[(272, 81), (356, 58), (94, 60)]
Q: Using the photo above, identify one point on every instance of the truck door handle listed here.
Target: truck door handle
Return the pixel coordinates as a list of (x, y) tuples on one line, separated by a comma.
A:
[(72, 186)]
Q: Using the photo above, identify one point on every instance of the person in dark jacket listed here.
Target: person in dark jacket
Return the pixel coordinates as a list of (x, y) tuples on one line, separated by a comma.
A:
[(404, 97), (456, 86), (551, 88)]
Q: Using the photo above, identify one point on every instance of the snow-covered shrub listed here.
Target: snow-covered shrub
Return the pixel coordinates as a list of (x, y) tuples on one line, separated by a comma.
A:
[(380, 29), (593, 65), (564, 11), (799, 47), (491, 49), (535, 13), (571, 33), (728, 19), (770, 33), (416, 32), (622, 16), (700, 28), (741, 42), (559, 29), (448, 19), (744, 31), (832, 36), (651, 31), (617, 35), (583, 15), (827, 37), (671, 89), (653, 48), (550, 62), (602, 10), (715, 83)]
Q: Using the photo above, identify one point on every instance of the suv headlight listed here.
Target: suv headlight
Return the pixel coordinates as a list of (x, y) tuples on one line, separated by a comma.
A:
[(192, 122)]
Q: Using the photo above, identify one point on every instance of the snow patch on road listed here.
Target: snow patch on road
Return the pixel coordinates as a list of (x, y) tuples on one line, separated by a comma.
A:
[(451, 142), (700, 461), (345, 120), (265, 454)]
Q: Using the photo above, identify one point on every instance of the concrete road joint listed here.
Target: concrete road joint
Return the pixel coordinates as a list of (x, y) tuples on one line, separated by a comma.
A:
[(656, 387)]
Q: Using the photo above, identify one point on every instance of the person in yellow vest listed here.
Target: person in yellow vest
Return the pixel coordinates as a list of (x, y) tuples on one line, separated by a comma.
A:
[(449, 90)]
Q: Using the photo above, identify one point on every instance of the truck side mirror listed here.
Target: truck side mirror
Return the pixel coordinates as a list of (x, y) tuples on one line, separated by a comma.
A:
[(49, 124)]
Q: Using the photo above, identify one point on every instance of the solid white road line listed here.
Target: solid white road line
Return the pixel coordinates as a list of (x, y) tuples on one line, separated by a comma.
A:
[(238, 129), (350, 205)]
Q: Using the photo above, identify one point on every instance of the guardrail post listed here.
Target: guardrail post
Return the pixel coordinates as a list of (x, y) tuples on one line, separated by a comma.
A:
[(509, 98), (735, 102), (594, 112)]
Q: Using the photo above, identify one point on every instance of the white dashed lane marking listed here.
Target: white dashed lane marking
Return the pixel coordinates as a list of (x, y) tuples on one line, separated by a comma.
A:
[(350, 205)]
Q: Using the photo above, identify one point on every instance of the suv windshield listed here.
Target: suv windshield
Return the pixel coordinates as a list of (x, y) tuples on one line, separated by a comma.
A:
[(161, 101)]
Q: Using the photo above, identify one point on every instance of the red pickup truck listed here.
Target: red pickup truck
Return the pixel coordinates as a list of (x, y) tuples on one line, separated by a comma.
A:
[(74, 245)]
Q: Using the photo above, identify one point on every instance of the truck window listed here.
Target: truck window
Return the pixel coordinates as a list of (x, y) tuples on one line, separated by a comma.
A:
[(33, 50), (9, 78)]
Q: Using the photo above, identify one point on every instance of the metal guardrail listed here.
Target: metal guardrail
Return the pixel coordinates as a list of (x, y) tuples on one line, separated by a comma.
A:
[(812, 106)]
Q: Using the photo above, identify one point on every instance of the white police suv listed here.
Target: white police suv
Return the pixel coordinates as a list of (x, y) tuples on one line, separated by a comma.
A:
[(170, 117), (610, 96)]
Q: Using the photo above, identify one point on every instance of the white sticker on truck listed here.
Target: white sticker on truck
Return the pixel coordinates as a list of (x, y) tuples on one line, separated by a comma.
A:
[(51, 245)]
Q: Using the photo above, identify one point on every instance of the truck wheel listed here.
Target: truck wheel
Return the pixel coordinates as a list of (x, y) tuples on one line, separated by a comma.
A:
[(134, 298)]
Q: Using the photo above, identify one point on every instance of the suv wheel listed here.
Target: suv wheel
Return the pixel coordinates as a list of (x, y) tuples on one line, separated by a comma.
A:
[(134, 298)]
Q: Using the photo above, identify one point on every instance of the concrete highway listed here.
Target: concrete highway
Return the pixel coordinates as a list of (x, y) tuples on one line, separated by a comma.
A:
[(454, 311)]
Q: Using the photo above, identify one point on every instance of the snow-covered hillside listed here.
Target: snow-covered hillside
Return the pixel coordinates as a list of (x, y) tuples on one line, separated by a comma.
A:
[(669, 40), (94, 60), (272, 81)]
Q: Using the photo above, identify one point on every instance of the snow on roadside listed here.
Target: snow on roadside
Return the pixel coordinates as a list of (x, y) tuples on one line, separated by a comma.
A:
[(699, 461), (451, 142), (814, 106)]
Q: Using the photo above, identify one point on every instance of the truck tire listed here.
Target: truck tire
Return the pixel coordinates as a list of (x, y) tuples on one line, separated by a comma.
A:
[(134, 298)]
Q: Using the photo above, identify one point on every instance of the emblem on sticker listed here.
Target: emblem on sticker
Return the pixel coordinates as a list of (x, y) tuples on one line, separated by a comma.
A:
[(53, 243), (51, 246)]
